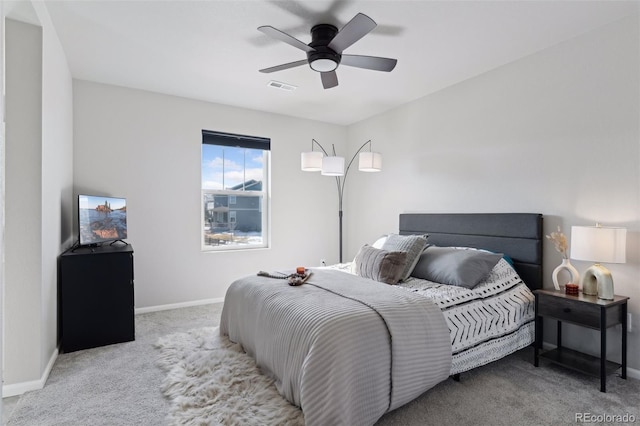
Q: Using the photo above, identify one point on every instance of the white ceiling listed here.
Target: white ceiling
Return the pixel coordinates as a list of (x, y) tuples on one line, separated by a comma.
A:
[(212, 51)]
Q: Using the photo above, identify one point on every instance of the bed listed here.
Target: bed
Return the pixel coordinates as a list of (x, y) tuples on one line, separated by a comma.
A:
[(347, 349), (519, 236)]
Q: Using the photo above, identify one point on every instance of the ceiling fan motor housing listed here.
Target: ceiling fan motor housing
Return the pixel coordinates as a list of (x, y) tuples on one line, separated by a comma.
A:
[(321, 36)]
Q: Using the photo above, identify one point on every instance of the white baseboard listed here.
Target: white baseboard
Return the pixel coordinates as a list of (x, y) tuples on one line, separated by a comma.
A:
[(22, 387), (178, 305), (631, 372)]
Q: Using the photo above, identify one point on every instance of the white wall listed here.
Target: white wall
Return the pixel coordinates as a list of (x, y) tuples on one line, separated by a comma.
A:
[(147, 147), (23, 263), (57, 174), (2, 202), (39, 178), (554, 133)]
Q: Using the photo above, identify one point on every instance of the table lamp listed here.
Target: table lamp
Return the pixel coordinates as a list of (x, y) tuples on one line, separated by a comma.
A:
[(598, 244)]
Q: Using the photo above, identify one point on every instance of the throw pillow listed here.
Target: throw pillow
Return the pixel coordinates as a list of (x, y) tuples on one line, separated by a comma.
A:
[(413, 245), (380, 265), (446, 265)]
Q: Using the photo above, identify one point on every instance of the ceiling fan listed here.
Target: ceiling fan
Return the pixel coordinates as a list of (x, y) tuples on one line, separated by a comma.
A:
[(324, 53)]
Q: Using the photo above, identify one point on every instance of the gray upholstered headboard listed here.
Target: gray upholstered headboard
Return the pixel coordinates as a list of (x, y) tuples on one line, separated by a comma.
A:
[(518, 235)]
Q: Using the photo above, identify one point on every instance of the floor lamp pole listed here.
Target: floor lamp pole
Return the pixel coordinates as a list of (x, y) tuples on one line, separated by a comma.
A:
[(340, 233), (341, 191), (340, 185)]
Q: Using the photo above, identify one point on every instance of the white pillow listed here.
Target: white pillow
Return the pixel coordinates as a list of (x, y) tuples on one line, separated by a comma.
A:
[(380, 242)]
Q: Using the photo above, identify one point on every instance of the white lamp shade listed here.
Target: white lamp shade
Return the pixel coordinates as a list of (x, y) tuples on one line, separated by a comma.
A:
[(333, 166), (311, 161), (599, 244), (370, 162)]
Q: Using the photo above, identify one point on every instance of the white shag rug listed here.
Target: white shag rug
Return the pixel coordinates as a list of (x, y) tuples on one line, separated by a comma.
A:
[(211, 381)]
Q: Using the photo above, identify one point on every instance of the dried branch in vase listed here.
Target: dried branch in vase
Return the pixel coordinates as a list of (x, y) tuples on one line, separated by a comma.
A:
[(560, 242)]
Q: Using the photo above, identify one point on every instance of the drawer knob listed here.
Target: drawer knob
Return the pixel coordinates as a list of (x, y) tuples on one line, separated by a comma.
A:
[(567, 310)]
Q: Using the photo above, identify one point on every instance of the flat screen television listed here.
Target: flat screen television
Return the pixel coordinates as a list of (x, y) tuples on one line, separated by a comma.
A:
[(101, 219)]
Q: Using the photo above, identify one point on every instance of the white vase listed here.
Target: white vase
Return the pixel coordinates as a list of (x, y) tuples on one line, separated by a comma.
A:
[(565, 266)]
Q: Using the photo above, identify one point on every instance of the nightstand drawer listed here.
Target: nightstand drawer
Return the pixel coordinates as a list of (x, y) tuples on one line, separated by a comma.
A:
[(570, 311)]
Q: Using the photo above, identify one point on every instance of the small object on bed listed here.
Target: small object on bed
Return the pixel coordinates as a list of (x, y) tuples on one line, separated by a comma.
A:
[(572, 289), (298, 279), (300, 270), (294, 279)]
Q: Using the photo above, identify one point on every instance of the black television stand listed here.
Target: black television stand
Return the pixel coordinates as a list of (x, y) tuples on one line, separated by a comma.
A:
[(96, 297)]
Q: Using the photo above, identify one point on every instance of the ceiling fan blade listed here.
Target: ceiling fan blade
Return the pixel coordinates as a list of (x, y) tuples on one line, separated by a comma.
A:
[(369, 62), (285, 66), (355, 29), (277, 34), (329, 79)]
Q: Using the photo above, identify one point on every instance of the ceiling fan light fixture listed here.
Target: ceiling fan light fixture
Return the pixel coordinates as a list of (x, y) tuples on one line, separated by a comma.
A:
[(324, 53), (323, 65)]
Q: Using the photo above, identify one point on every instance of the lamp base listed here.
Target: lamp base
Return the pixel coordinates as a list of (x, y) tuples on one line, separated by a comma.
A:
[(597, 280)]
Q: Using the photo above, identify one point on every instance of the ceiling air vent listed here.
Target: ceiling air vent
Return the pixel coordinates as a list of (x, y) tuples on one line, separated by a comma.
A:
[(282, 86)]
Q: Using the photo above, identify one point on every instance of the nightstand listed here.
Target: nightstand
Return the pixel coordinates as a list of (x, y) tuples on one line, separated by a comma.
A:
[(586, 311)]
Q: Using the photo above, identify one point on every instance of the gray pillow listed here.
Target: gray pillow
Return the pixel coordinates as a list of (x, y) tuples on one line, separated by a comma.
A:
[(446, 265), (413, 245), (380, 265)]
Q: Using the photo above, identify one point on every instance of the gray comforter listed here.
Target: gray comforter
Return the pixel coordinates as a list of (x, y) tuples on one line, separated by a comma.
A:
[(343, 348)]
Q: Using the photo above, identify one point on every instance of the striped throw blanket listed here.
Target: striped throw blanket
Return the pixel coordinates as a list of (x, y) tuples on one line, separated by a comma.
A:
[(343, 348)]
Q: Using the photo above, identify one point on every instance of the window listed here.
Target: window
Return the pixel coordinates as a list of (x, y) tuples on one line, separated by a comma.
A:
[(235, 198)]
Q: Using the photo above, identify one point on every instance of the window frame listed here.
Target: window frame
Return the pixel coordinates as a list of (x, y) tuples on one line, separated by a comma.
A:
[(264, 207)]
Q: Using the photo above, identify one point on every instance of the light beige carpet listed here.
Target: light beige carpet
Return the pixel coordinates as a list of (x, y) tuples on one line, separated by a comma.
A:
[(212, 381), (121, 385)]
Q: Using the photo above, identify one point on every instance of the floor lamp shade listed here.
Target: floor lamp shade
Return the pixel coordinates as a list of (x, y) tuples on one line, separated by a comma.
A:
[(332, 166), (598, 244), (311, 161), (370, 162)]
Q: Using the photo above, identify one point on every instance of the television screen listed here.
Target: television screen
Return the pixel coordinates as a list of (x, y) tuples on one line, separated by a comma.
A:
[(101, 219)]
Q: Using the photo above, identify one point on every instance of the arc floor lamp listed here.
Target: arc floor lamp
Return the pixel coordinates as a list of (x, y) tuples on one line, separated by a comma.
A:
[(333, 165)]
